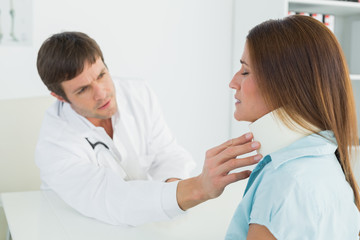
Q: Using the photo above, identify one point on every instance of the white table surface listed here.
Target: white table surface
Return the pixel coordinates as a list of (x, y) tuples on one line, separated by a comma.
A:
[(42, 215)]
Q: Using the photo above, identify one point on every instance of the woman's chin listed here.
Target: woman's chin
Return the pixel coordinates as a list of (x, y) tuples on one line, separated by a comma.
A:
[(244, 119), (240, 118)]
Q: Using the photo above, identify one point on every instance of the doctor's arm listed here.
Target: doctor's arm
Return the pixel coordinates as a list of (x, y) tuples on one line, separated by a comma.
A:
[(215, 175), (173, 163)]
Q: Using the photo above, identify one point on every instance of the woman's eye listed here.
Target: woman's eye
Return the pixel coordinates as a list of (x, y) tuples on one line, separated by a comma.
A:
[(244, 73)]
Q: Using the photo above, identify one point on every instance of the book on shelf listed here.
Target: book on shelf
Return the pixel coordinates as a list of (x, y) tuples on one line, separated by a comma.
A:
[(327, 19), (318, 16), (304, 13)]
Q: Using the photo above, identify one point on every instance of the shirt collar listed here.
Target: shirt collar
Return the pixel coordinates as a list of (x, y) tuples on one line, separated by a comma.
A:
[(322, 143), (273, 134), (284, 144)]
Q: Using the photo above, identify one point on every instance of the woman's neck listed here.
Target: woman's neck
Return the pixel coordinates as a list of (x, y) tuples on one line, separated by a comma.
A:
[(273, 134)]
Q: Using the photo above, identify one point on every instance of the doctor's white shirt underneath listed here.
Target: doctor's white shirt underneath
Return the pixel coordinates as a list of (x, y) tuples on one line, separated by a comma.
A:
[(119, 180)]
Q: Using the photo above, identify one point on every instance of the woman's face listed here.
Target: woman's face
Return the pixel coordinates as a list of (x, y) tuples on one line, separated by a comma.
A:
[(249, 104)]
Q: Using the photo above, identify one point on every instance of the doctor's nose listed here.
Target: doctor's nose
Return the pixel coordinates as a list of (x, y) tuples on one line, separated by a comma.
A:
[(99, 92)]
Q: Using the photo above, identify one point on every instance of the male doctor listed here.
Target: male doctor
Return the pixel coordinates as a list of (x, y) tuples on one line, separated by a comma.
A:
[(106, 150)]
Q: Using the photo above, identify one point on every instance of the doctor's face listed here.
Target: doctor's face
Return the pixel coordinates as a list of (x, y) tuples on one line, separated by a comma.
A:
[(249, 105), (92, 93)]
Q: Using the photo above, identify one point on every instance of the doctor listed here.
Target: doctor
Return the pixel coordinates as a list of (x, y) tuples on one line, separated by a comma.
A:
[(106, 150)]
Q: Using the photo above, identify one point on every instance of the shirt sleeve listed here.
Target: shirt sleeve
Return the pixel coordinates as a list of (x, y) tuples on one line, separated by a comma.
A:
[(170, 159)]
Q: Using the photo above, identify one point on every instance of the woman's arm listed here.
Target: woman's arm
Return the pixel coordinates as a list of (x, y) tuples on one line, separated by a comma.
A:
[(259, 232)]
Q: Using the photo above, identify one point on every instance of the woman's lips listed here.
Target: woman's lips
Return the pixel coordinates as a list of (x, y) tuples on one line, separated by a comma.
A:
[(237, 101)]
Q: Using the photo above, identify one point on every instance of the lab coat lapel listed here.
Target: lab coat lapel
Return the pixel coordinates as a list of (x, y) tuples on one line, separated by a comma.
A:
[(110, 158)]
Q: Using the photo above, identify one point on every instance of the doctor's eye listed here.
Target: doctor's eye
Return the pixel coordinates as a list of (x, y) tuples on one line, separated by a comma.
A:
[(101, 75), (82, 90)]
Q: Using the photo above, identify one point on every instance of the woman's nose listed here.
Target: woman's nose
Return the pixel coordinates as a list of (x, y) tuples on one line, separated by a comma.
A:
[(234, 83)]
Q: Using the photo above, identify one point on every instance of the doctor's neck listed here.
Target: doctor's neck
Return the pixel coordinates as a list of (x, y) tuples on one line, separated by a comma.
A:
[(104, 123), (274, 134)]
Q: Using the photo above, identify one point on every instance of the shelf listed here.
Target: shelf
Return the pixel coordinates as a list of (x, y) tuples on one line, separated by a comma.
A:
[(355, 77), (338, 8)]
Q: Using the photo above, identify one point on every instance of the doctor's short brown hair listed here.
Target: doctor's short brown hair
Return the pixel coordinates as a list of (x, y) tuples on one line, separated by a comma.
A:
[(62, 57)]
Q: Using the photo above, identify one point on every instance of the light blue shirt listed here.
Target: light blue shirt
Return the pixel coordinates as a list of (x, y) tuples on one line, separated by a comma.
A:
[(299, 192)]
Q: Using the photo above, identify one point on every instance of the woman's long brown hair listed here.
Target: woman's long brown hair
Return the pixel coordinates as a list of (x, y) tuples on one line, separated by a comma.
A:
[(300, 68)]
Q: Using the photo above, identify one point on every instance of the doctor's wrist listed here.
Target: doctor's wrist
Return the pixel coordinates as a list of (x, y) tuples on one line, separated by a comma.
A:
[(172, 180), (190, 193)]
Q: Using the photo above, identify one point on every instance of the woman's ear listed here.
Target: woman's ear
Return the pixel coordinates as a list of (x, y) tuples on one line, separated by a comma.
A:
[(60, 98)]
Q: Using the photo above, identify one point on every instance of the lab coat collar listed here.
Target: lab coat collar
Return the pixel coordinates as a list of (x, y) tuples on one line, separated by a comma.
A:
[(81, 123)]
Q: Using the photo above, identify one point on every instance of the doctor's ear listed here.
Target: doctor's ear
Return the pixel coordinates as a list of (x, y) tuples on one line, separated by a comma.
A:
[(60, 98)]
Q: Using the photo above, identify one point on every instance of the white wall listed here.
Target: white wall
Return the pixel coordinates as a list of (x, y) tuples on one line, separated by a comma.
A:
[(182, 47)]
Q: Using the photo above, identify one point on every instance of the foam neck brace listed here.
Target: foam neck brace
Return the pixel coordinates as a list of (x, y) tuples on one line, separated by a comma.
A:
[(273, 134)]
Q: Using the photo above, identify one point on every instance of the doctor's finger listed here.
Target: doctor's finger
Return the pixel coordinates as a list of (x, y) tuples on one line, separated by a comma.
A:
[(234, 177), (232, 142), (234, 151), (235, 163)]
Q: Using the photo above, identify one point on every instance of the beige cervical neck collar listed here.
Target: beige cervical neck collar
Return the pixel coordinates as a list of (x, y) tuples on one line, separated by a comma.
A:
[(273, 134)]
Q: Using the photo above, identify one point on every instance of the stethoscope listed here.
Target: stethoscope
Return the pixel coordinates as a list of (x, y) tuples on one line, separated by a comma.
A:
[(93, 145), (101, 162)]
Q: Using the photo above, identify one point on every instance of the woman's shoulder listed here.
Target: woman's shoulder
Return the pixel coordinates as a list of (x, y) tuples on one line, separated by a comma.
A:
[(314, 183), (311, 194), (307, 174)]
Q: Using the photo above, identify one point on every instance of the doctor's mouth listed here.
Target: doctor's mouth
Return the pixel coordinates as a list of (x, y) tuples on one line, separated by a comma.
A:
[(106, 105)]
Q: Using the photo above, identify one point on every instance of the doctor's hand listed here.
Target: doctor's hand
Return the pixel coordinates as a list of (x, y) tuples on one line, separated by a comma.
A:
[(216, 175)]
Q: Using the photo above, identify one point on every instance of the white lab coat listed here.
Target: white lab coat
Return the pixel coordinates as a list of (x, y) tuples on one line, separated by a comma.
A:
[(120, 180)]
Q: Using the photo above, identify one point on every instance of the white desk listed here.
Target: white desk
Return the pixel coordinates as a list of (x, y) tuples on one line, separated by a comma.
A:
[(42, 215)]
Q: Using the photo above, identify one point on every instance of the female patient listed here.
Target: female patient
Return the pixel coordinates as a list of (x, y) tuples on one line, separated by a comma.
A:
[(294, 83)]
